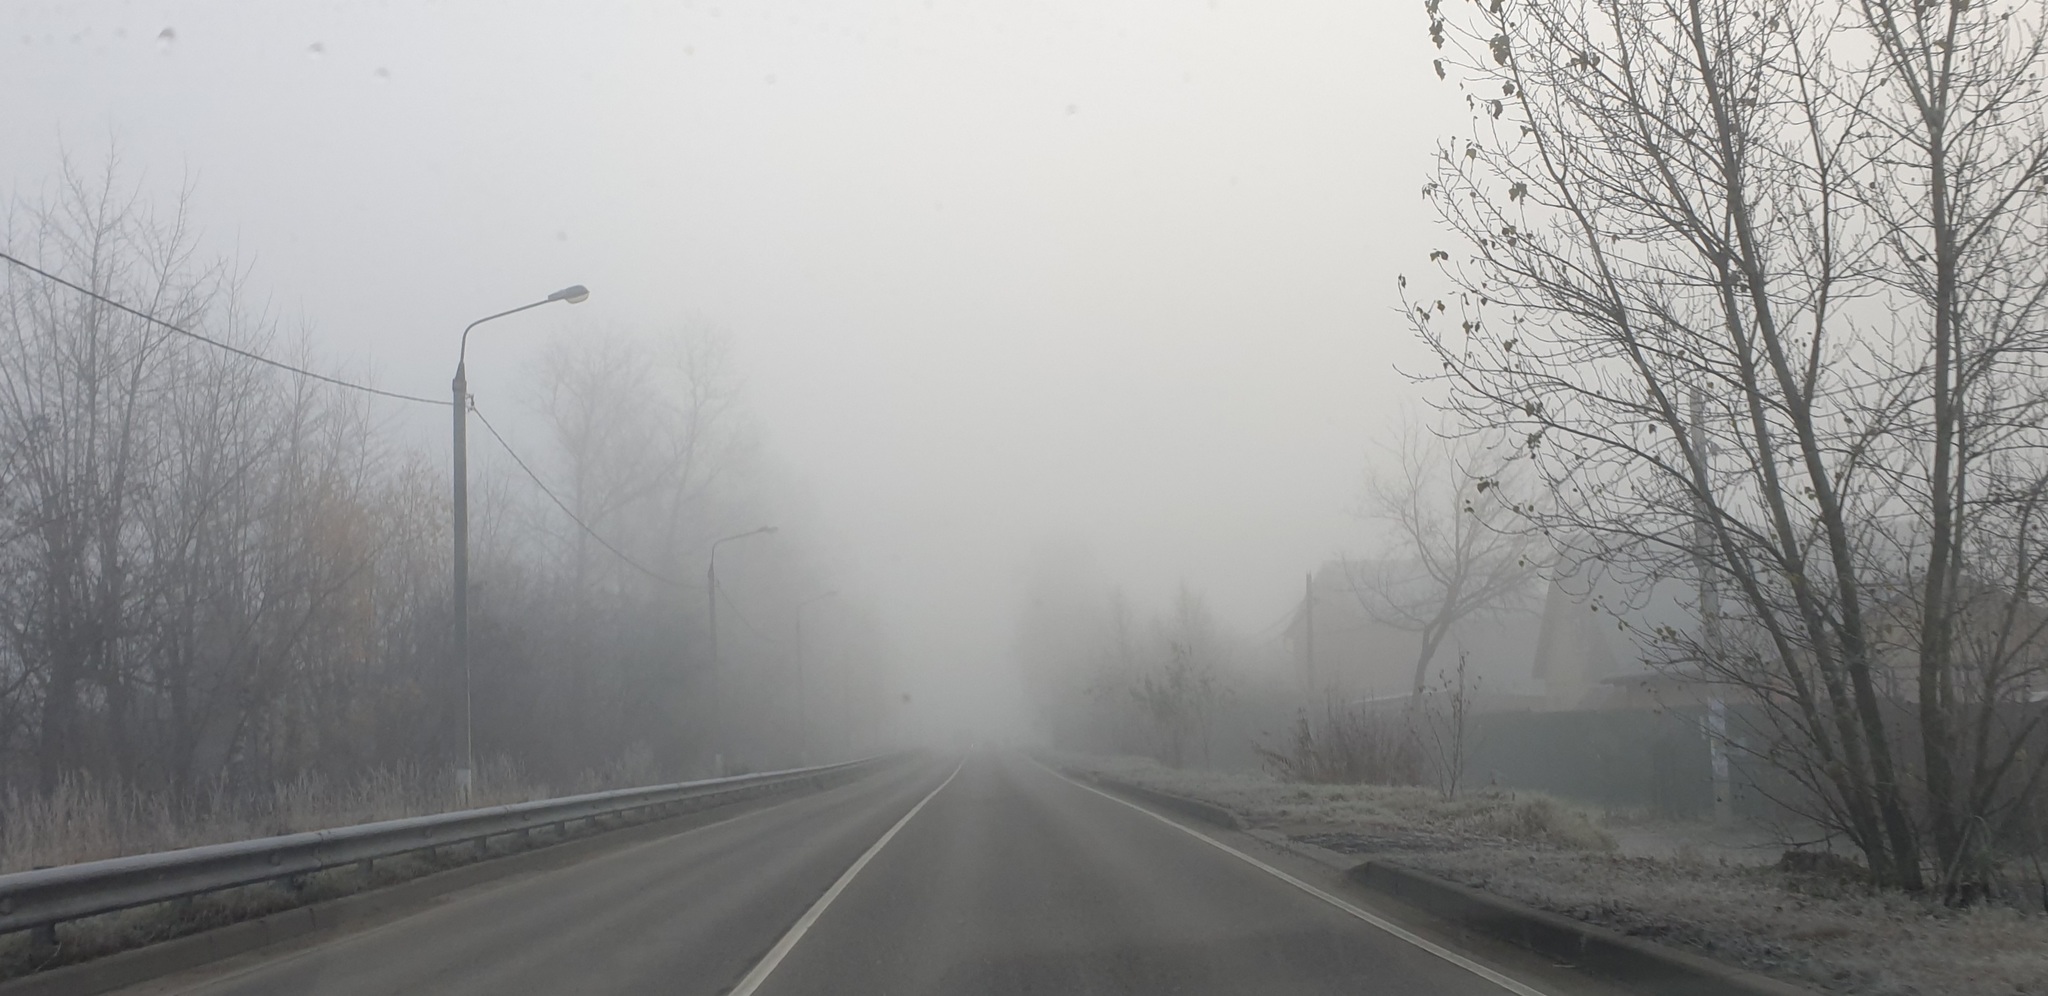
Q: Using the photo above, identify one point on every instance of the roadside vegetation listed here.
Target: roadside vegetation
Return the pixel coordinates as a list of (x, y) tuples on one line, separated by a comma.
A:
[(1799, 917), (85, 820), (84, 823), (225, 584), (1404, 816), (1752, 295)]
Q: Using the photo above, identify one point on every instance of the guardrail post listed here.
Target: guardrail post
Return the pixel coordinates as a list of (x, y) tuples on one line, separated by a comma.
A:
[(42, 942)]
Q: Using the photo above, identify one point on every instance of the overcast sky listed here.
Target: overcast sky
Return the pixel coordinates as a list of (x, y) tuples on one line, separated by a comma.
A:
[(998, 273)]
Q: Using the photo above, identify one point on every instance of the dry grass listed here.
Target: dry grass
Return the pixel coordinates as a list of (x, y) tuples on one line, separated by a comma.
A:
[(1402, 817), (1818, 930), (84, 820)]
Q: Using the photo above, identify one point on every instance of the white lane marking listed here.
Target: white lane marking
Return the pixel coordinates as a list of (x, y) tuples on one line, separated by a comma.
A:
[(783, 947), (1518, 988)]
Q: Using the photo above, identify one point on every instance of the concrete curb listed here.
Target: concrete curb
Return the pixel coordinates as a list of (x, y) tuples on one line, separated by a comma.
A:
[(1315, 852), (1639, 964), (1207, 812)]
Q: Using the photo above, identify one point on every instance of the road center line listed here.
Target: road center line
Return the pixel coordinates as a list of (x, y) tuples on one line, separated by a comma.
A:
[(782, 948), (1511, 985)]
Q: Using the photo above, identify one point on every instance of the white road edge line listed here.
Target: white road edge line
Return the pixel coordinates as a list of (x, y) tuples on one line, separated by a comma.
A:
[(782, 948), (1511, 985)]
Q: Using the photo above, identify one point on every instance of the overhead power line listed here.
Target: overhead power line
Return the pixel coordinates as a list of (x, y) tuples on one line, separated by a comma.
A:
[(734, 608), (580, 524), (216, 343)]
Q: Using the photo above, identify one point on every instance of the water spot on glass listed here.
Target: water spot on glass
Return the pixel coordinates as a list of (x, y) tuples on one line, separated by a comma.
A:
[(382, 74), (315, 50), (1072, 109), (689, 50), (561, 236), (165, 39), (770, 78)]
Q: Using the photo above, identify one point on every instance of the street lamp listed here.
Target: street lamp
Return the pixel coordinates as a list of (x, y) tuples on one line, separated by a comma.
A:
[(803, 719), (574, 294), (711, 594)]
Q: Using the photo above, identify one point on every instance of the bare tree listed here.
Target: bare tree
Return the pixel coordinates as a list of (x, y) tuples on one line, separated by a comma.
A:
[(217, 575), (1828, 220), (1457, 547)]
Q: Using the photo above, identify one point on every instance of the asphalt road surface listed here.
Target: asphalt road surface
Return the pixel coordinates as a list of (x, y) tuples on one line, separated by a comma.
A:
[(991, 875)]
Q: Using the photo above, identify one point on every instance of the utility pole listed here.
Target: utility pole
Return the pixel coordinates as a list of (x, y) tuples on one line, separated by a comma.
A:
[(465, 775), (461, 593), (803, 708), (717, 675), (1308, 634)]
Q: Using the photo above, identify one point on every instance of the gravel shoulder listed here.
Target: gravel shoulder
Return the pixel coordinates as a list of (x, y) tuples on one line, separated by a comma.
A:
[(1715, 893)]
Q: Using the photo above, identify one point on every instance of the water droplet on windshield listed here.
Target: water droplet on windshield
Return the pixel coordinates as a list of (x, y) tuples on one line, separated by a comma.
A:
[(165, 39), (382, 74), (315, 50)]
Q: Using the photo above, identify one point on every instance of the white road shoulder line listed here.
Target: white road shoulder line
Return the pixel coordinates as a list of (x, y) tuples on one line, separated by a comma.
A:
[(782, 948), (1511, 985)]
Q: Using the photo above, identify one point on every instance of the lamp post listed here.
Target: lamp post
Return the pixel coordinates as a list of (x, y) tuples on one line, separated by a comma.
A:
[(574, 294), (803, 709), (717, 676)]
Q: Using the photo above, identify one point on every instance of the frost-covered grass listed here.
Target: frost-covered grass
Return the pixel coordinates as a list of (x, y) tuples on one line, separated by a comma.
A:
[(1401, 817), (1819, 932), (85, 820), (1826, 933)]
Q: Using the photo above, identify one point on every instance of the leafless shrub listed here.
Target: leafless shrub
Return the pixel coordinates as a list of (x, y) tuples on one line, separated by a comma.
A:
[(1352, 745), (1446, 714), (84, 819)]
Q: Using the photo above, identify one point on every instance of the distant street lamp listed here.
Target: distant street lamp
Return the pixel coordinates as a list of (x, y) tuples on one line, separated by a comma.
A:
[(803, 709), (711, 594), (574, 294)]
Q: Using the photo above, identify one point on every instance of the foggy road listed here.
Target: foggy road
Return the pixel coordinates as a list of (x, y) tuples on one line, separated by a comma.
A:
[(1005, 878)]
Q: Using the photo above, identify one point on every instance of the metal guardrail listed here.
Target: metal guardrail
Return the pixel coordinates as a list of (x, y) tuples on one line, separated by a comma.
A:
[(49, 896)]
